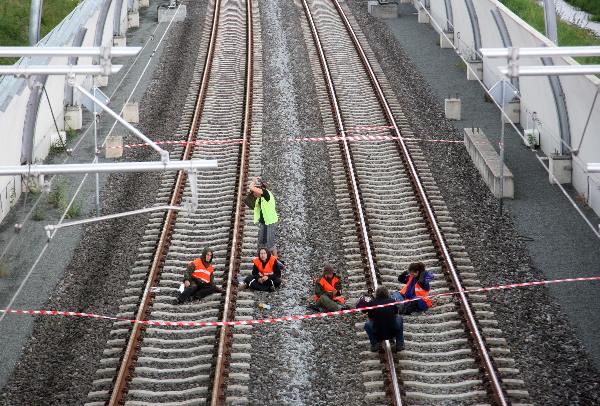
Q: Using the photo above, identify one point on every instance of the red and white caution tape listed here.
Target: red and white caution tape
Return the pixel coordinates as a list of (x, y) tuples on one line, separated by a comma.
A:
[(333, 138), (286, 318)]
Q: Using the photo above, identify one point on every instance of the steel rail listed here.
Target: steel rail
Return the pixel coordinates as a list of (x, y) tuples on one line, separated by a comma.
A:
[(120, 385), (218, 394), (339, 122), (443, 251)]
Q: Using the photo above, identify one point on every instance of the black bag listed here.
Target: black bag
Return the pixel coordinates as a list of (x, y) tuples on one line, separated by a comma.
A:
[(250, 200)]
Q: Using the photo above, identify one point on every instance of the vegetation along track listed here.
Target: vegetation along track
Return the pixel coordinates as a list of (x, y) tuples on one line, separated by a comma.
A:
[(455, 351), (186, 365)]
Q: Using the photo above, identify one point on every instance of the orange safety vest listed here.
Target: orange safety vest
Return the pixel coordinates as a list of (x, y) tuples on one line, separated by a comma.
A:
[(422, 293), (268, 268), (330, 287), (201, 272)]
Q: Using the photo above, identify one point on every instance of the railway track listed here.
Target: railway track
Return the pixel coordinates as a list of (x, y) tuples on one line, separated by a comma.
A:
[(397, 210), (454, 352), (170, 365)]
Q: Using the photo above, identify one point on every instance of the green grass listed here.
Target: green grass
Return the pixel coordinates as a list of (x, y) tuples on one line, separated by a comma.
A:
[(568, 34), (14, 20), (590, 6)]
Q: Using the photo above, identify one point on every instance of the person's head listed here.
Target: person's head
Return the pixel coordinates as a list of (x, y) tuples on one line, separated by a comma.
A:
[(328, 271), (416, 268), (207, 255), (263, 254), (382, 292)]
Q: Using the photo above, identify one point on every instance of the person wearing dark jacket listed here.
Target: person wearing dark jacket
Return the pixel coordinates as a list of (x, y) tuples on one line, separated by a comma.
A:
[(328, 291), (199, 280), (384, 323), (416, 281), (266, 272)]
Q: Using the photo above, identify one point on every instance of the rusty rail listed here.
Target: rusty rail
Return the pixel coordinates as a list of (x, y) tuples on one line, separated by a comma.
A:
[(353, 184), (235, 253), (497, 392), (120, 385)]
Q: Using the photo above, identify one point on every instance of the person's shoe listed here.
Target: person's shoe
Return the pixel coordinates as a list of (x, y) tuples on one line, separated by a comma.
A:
[(399, 347), (242, 286), (314, 308), (271, 288), (376, 347)]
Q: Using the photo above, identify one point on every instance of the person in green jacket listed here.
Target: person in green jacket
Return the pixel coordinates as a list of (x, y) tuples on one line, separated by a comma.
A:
[(265, 214)]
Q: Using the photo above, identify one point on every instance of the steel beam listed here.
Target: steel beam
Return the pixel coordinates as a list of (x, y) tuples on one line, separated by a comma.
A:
[(541, 51), (108, 167), (28, 70), (105, 52), (592, 168), (554, 70)]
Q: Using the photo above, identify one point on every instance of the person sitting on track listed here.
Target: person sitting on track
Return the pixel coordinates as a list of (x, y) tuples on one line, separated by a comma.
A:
[(328, 291), (199, 278), (266, 272), (416, 281), (383, 323)]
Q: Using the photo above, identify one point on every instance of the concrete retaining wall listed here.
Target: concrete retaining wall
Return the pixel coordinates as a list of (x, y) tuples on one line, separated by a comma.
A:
[(561, 105), (97, 18)]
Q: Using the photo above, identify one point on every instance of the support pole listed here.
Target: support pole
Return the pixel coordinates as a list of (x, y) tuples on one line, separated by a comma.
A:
[(502, 102), (550, 21), (35, 18)]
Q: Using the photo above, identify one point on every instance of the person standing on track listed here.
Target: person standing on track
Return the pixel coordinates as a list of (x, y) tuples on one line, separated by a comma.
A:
[(199, 278), (328, 291), (266, 272), (265, 214), (383, 323)]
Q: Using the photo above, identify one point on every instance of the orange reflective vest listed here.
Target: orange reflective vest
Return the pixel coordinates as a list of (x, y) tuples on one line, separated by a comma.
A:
[(422, 293), (201, 272), (330, 287), (268, 268)]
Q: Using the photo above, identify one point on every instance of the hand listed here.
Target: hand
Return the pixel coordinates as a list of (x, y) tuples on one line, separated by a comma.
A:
[(335, 292), (186, 284)]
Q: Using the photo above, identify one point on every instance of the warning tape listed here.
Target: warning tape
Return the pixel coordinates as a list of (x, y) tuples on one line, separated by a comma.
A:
[(335, 138), (287, 318)]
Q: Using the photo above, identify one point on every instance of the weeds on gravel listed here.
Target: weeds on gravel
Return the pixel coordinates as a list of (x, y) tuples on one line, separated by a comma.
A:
[(3, 270), (39, 214), (71, 133), (75, 210), (58, 196)]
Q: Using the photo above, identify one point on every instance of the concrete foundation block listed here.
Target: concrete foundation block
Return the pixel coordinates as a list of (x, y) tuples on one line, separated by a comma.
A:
[(73, 117), (166, 14), (133, 19), (389, 10), (131, 112), (405, 1), (476, 71), (452, 108), (487, 161), (58, 137), (144, 3), (114, 146), (447, 40), (513, 111), (423, 17), (532, 137), (120, 41), (561, 167), (101, 80)]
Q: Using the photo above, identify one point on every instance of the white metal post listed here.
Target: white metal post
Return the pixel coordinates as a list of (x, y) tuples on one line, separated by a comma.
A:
[(96, 117), (502, 104)]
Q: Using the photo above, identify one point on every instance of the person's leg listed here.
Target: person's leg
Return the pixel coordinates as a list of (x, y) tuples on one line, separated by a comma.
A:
[(187, 293), (270, 238), (399, 324), (276, 281), (262, 235), (205, 290), (369, 329), (328, 304)]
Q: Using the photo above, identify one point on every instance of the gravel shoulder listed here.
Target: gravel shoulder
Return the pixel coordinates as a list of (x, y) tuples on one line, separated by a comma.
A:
[(60, 358), (543, 340)]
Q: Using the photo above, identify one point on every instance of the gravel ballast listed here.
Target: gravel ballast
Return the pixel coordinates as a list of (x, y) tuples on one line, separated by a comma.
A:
[(60, 359), (548, 352)]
